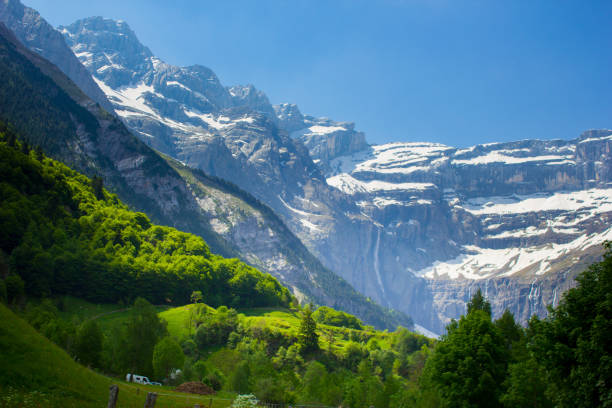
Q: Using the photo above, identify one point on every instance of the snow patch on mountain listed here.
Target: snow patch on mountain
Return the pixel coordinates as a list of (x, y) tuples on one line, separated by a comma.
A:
[(500, 157), (595, 200), (482, 263), (350, 185)]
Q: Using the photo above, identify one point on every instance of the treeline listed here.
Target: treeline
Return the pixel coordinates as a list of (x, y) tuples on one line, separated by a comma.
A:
[(63, 233), (564, 360)]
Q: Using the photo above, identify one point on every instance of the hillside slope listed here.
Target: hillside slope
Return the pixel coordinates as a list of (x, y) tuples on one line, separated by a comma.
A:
[(36, 33), (36, 372), (69, 236)]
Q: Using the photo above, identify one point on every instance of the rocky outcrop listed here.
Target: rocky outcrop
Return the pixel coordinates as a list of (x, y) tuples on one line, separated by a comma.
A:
[(38, 35), (326, 139)]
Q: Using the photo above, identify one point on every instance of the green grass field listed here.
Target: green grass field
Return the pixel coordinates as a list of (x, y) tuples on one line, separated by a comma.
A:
[(178, 320), (34, 372), (286, 321)]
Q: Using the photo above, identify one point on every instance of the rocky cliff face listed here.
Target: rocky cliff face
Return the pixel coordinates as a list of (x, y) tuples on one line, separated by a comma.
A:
[(519, 219), (263, 240), (235, 134), (415, 226), (34, 32), (233, 222)]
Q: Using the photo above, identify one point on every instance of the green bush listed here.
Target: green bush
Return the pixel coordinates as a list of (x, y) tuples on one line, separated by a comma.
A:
[(88, 344), (332, 317)]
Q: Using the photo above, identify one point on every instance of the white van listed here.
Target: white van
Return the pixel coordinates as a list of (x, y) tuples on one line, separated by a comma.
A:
[(140, 379)]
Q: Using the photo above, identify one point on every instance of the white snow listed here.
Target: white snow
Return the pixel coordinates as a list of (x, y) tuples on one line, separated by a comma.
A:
[(392, 158), (85, 57), (130, 97), (350, 185), (176, 83), (499, 156), (480, 263), (309, 225), (217, 122), (427, 333), (384, 202), (600, 200), (324, 130), (295, 210), (595, 139)]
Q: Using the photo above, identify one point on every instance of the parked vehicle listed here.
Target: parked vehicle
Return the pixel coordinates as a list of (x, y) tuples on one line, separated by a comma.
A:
[(140, 379)]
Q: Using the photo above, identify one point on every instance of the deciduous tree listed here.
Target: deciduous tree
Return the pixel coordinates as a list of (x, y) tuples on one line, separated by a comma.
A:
[(167, 355), (88, 343)]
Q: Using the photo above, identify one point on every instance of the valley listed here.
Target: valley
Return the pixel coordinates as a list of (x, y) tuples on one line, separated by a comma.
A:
[(418, 227), (191, 241)]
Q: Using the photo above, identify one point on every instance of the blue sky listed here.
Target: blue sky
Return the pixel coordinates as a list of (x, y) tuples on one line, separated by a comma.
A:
[(454, 72)]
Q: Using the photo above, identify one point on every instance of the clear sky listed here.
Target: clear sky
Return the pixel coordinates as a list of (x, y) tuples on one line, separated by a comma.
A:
[(454, 72)]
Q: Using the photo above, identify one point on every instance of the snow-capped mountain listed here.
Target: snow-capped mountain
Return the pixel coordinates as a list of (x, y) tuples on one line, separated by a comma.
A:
[(81, 134), (233, 133), (530, 212), (415, 226)]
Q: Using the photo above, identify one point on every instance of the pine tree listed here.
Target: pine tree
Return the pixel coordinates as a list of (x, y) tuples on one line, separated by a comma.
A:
[(479, 302), (308, 339), (39, 153), (97, 184), (468, 366)]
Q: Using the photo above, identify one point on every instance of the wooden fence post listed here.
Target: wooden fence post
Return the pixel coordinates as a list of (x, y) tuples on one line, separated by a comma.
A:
[(150, 401), (113, 394)]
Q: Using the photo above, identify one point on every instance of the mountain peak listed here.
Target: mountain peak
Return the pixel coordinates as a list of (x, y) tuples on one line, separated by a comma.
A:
[(109, 49)]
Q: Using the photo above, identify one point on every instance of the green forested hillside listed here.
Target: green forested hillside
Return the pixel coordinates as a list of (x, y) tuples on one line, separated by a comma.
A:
[(64, 234)]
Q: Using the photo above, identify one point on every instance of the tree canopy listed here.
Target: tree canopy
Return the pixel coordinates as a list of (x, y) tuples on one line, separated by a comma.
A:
[(332, 317), (574, 344)]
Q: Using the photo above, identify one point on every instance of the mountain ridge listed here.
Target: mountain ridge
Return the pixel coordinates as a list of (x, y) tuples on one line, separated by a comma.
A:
[(128, 166)]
